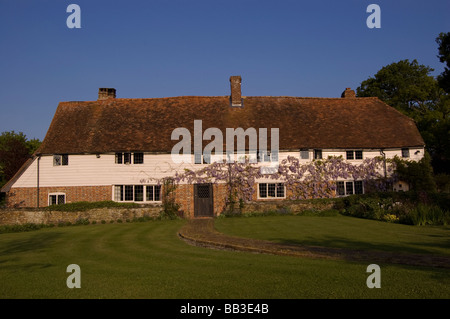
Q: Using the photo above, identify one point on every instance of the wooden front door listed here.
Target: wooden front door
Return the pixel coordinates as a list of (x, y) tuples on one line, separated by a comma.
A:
[(203, 200)]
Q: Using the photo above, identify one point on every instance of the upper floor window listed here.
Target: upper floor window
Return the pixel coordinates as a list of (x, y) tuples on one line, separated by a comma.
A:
[(304, 154), (62, 159), (354, 155), (127, 158), (317, 154), (405, 152)]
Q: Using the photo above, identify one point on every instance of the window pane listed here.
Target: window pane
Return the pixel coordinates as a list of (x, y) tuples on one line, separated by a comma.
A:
[(271, 190), (280, 190), (52, 200), (118, 158), (274, 156), (350, 155), (317, 154), (358, 155), (340, 190), (118, 193), (304, 154), (358, 187), (206, 158), (61, 199), (263, 190), (157, 192), (127, 158), (405, 152), (138, 158), (138, 193), (266, 156), (65, 159), (197, 158), (349, 188), (128, 192), (56, 160), (149, 193)]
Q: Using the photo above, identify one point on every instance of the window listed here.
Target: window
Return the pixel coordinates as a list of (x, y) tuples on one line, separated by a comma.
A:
[(198, 158), (138, 158), (125, 158), (354, 155), (62, 159), (263, 156), (56, 199), (271, 190), (137, 193), (317, 154), (349, 188), (405, 152), (153, 193), (304, 154)]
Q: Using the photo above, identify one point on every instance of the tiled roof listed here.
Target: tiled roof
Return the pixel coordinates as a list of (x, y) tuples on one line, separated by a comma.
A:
[(118, 124)]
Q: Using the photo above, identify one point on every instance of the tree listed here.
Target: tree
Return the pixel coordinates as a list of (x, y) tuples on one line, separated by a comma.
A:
[(15, 150), (409, 87), (406, 86), (444, 56)]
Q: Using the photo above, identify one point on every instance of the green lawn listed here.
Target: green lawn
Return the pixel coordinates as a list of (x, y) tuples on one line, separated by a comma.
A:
[(148, 260)]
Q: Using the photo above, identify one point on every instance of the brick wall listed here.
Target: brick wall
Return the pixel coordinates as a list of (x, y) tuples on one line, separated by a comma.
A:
[(27, 196), (36, 216)]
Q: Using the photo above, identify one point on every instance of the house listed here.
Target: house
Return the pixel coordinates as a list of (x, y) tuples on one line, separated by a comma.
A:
[(121, 149)]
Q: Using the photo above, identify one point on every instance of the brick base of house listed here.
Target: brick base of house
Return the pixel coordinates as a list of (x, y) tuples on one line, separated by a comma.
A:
[(183, 194), (28, 197)]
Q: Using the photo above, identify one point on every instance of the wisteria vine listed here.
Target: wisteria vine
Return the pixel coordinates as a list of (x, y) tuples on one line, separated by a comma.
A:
[(315, 179)]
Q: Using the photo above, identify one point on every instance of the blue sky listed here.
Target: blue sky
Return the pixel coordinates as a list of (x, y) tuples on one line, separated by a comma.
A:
[(162, 48)]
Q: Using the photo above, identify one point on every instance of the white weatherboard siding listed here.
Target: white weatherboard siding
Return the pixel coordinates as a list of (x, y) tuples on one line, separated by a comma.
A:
[(90, 170)]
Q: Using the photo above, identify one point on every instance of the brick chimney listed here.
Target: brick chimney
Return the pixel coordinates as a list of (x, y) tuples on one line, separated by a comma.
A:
[(236, 97), (106, 93), (348, 93)]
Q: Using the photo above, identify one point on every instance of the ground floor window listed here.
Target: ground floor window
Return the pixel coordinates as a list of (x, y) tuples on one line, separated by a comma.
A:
[(349, 187), (137, 193), (271, 190), (56, 199)]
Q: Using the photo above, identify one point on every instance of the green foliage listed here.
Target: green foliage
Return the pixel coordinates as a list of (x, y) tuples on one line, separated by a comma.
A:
[(410, 88), (405, 85), (15, 149), (418, 174), (170, 207), (409, 208), (444, 56)]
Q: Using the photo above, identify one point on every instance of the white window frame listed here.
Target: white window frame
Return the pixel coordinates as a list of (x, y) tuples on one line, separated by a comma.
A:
[(353, 187), (56, 194), (144, 193), (354, 155), (267, 191), (58, 159)]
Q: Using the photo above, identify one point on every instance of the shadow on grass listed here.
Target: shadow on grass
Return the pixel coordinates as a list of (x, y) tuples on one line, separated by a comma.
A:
[(342, 243), (35, 242)]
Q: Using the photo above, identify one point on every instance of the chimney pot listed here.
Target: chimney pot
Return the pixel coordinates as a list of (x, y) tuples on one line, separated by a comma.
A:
[(106, 93), (348, 93), (236, 96)]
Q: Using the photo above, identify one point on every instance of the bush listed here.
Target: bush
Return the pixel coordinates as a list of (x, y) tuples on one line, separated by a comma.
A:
[(412, 208)]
